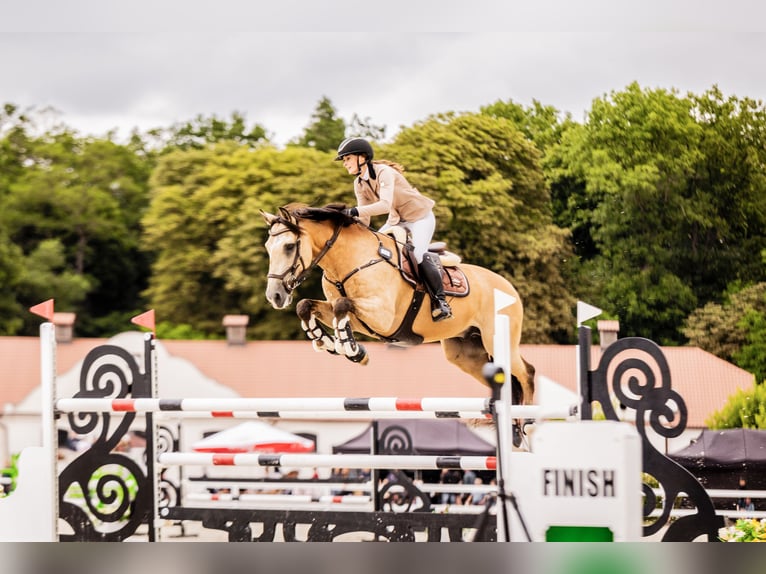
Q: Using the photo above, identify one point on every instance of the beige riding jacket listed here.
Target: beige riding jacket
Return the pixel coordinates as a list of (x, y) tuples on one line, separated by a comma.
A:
[(391, 193)]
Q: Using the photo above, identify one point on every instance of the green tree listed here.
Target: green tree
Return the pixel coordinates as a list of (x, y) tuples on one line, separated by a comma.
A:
[(46, 273), (721, 328), (543, 125), (88, 195), (744, 409), (202, 131), (326, 129), (493, 208), (725, 230), (752, 355), (627, 171), (364, 128), (664, 195), (11, 268)]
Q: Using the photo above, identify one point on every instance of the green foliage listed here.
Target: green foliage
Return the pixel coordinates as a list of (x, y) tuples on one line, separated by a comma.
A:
[(46, 276), (364, 128), (485, 176), (86, 195), (169, 331), (652, 214), (543, 125), (203, 131), (11, 472), (744, 409), (326, 130), (720, 328), (744, 530), (11, 269), (752, 355)]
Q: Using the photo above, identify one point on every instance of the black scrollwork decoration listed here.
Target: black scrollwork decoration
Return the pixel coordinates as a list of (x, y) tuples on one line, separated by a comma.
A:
[(635, 372), (169, 483), (104, 494), (395, 439)]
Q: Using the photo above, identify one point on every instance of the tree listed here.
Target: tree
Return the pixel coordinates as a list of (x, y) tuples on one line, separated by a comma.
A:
[(723, 328), (364, 128), (493, 208), (627, 173), (326, 130), (11, 267), (202, 131), (543, 125), (88, 195), (744, 409), (752, 355)]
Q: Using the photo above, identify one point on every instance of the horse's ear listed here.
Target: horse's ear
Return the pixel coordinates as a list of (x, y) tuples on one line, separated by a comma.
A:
[(268, 218), (285, 214)]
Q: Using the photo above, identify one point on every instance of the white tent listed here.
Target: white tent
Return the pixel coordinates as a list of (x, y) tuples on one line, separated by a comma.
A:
[(254, 436)]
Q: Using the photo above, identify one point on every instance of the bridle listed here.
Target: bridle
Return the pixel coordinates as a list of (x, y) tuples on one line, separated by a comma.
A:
[(291, 279)]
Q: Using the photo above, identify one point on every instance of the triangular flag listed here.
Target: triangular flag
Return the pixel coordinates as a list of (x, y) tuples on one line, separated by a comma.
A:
[(44, 309), (585, 312), (502, 300), (145, 320)]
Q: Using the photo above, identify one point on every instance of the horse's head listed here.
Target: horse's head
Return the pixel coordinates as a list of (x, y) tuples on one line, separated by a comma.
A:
[(293, 253), (288, 257)]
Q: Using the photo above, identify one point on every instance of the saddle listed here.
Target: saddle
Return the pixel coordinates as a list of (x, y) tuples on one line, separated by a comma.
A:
[(453, 279)]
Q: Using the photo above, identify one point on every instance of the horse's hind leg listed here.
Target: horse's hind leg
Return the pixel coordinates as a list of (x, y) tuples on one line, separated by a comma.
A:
[(308, 310), (468, 354)]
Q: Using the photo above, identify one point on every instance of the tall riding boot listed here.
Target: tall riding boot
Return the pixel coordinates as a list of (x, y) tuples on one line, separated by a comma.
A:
[(432, 278)]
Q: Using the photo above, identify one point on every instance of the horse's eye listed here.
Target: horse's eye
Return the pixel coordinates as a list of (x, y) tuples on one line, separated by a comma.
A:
[(289, 248)]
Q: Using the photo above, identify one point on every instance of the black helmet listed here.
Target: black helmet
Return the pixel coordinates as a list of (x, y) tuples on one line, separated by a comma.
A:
[(354, 145)]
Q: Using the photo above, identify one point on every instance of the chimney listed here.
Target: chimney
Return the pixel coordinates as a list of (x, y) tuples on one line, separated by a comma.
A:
[(607, 332), (236, 328), (64, 325)]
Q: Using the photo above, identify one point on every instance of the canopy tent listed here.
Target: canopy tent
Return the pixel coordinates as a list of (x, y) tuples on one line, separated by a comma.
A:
[(718, 458), (254, 436), (428, 437)]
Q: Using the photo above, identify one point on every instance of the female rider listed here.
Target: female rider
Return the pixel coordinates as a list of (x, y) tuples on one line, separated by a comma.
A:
[(380, 188)]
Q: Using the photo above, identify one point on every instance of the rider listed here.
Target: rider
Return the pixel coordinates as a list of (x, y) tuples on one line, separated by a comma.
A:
[(380, 187)]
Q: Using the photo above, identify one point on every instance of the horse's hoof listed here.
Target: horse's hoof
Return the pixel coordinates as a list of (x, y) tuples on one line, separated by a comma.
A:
[(361, 357)]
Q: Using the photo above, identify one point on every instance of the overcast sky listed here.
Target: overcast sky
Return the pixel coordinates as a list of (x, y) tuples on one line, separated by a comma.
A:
[(117, 65)]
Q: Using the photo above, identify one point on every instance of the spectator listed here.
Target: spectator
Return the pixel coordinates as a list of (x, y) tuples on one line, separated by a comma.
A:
[(449, 476)]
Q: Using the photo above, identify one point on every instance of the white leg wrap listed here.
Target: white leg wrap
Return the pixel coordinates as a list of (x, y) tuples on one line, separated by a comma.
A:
[(345, 344), (320, 340)]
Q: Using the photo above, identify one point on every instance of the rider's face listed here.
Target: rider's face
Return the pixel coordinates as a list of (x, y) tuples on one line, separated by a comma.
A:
[(351, 163)]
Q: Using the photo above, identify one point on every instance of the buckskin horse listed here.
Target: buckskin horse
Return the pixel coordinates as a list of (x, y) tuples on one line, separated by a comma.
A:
[(370, 289)]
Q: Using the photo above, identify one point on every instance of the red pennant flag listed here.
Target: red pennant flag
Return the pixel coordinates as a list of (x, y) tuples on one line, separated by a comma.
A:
[(44, 309), (145, 320)]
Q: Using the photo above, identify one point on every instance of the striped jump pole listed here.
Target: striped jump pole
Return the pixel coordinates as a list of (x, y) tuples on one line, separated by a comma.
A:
[(324, 415), (439, 407), (279, 498), (401, 462)]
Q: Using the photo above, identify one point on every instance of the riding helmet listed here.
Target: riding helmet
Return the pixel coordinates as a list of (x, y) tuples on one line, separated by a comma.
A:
[(354, 145)]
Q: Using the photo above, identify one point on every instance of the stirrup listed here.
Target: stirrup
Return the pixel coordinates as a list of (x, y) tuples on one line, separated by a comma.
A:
[(440, 311)]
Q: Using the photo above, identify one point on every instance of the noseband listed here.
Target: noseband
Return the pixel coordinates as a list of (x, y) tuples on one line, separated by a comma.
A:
[(295, 279)]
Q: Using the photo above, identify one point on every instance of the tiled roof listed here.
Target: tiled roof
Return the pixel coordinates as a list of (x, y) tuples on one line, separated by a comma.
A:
[(293, 369)]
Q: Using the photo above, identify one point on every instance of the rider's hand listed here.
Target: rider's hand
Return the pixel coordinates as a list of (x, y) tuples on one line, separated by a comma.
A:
[(351, 212)]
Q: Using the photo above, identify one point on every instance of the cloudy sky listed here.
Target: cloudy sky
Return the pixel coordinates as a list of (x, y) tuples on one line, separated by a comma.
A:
[(119, 65)]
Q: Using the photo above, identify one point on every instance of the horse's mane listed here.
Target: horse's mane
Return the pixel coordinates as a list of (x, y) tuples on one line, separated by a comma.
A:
[(331, 212)]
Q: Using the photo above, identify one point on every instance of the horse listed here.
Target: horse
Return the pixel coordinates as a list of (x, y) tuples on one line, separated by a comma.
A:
[(369, 290)]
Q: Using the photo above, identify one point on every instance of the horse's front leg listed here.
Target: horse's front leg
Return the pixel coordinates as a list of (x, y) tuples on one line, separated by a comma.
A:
[(345, 343), (314, 315)]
